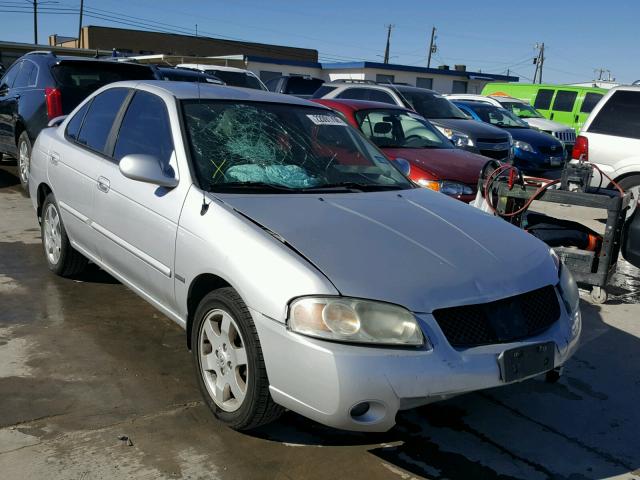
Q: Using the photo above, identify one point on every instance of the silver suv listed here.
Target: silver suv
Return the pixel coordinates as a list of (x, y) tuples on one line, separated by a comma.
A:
[(308, 272), (471, 135)]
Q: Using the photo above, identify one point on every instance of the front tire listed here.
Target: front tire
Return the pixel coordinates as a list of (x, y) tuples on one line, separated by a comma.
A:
[(229, 364), (62, 258), (24, 161)]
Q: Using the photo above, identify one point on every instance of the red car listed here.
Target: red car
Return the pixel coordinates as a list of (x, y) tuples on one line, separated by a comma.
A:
[(402, 133)]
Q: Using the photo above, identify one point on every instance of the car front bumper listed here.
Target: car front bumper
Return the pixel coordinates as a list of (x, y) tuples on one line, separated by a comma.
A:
[(324, 380)]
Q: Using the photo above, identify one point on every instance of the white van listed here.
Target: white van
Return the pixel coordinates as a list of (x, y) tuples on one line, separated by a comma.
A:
[(610, 138)]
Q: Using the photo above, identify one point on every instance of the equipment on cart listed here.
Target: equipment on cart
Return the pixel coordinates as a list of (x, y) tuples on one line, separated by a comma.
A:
[(590, 257)]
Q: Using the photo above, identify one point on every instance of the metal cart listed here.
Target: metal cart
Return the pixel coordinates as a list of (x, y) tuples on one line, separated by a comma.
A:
[(587, 267)]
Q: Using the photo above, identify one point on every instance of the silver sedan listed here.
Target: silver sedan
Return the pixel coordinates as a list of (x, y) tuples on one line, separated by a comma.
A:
[(308, 272)]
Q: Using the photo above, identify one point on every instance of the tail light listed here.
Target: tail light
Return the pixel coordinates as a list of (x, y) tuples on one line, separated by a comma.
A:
[(54, 102), (581, 149)]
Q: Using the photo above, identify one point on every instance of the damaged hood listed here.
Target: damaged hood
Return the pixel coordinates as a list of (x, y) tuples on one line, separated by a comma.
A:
[(415, 248)]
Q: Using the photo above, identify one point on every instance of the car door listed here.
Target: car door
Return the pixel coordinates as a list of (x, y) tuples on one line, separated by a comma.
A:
[(73, 165), (8, 109), (563, 107), (138, 221)]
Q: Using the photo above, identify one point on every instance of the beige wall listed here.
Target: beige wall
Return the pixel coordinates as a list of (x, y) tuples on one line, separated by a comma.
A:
[(105, 38)]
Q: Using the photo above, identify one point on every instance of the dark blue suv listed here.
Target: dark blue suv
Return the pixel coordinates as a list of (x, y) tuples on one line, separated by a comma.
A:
[(41, 86), (534, 151)]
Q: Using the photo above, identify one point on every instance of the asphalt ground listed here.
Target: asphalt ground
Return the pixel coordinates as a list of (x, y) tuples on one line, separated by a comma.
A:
[(96, 384)]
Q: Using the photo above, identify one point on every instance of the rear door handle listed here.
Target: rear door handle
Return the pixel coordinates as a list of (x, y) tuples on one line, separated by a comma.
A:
[(103, 184)]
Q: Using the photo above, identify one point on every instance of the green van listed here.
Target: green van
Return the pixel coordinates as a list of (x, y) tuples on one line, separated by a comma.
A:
[(561, 103)]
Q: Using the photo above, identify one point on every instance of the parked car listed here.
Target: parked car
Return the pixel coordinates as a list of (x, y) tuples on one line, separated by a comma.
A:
[(303, 86), (400, 133), (534, 151), (234, 77), (525, 112), (41, 86), (565, 104), (465, 133), (183, 75), (306, 278), (610, 139)]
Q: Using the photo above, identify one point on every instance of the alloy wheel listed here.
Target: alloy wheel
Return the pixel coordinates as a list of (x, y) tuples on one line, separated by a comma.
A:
[(52, 234), (223, 360), (23, 162)]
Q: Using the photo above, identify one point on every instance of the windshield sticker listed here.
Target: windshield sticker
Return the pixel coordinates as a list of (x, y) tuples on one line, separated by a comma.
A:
[(326, 120)]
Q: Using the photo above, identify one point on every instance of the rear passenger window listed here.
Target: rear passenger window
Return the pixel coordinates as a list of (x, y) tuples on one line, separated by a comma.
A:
[(620, 116), (145, 129), (355, 94), (543, 99), (99, 119), (27, 75), (73, 127), (380, 96), (564, 101), (590, 101)]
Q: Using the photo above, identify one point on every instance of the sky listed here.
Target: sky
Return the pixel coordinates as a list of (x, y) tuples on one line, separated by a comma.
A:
[(493, 36)]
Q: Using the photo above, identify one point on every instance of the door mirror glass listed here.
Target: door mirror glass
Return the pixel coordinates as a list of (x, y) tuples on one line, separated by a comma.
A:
[(403, 165), (147, 169)]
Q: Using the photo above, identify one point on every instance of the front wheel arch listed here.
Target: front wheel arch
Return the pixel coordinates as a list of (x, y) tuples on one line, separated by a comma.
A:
[(201, 286)]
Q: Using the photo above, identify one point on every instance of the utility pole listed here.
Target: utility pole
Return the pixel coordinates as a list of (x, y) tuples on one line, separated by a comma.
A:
[(196, 30), (80, 24), (432, 48), (539, 63), (386, 50), (35, 21)]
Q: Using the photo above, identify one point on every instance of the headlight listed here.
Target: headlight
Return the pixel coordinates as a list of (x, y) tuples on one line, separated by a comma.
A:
[(524, 146), (353, 320), (459, 139), (447, 187), (571, 299), (455, 188)]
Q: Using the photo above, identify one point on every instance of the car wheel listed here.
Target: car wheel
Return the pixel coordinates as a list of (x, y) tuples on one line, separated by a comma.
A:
[(62, 258), (24, 160), (631, 184), (229, 363)]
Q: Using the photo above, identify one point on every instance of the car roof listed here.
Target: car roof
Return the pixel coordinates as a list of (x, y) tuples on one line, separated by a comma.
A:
[(195, 90), (357, 105)]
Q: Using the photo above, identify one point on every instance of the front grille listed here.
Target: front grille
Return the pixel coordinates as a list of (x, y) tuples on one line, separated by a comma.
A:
[(502, 321), (566, 136), (497, 154), (552, 151)]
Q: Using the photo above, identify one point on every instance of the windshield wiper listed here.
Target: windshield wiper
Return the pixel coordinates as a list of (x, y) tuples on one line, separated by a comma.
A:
[(353, 186), (271, 187)]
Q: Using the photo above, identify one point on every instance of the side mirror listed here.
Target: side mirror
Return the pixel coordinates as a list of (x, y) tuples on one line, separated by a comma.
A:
[(147, 169), (403, 165)]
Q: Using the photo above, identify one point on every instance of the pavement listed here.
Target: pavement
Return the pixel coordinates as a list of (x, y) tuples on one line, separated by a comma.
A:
[(96, 384)]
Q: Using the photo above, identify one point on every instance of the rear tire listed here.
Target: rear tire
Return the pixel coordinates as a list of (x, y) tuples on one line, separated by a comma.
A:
[(62, 258), (229, 366), (24, 161)]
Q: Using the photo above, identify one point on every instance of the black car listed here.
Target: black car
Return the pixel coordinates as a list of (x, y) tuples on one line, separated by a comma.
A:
[(41, 86), (176, 74), (302, 86)]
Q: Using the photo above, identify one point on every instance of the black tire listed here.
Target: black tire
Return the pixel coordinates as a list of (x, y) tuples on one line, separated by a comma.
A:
[(23, 139), (257, 408), (70, 262)]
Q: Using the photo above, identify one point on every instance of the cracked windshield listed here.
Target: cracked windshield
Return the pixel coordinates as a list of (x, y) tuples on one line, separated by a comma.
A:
[(282, 147)]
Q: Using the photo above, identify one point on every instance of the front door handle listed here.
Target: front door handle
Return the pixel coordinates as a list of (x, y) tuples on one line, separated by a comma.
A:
[(103, 184)]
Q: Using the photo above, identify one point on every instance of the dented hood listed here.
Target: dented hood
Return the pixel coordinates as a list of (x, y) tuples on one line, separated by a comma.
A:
[(415, 248)]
